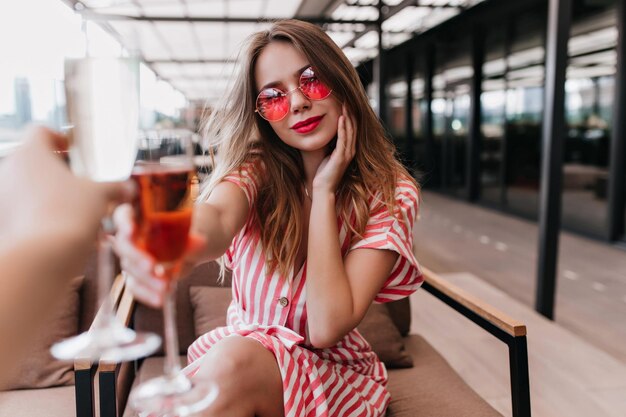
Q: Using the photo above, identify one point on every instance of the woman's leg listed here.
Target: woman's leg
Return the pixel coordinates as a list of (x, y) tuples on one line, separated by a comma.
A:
[(248, 378)]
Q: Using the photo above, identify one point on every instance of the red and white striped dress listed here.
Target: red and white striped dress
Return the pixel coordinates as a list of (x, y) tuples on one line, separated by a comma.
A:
[(347, 380)]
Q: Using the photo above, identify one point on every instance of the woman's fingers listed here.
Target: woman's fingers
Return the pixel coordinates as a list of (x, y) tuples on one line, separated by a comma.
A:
[(350, 137), (139, 265), (123, 219)]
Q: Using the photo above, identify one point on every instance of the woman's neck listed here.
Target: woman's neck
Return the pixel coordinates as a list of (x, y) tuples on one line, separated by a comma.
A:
[(311, 161)]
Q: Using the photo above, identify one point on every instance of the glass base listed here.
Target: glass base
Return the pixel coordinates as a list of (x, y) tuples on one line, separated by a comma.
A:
[(115, 344), (178, 396)]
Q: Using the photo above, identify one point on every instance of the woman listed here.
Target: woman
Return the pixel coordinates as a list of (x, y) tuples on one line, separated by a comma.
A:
[(314, 215)]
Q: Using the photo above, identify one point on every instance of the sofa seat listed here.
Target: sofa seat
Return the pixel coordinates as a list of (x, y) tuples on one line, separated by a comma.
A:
[(430, 389), (58, 401)]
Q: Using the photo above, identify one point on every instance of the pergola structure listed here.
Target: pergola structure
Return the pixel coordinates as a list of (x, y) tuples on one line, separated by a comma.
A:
[(193, 44)]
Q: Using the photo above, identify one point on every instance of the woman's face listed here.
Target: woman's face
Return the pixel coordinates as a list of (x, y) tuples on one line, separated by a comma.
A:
[(310, 124)]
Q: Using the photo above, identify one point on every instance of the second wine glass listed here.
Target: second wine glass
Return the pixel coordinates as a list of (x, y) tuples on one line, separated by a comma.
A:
[(102, 95), (164, 173)]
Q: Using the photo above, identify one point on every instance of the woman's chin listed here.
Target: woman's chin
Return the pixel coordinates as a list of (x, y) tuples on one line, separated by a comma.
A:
[(311, 143)]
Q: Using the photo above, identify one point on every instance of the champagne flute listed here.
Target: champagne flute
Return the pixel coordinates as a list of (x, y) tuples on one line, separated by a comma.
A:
[(102, 96), (164, 173)]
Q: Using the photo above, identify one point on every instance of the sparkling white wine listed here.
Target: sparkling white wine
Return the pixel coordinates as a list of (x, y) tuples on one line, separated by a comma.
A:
[(102, 97)]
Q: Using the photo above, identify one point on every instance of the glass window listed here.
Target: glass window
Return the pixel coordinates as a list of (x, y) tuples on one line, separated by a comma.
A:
[(524, 113), (451, 106), (396, 91), (588, 114), (493, 117), (423, 160)]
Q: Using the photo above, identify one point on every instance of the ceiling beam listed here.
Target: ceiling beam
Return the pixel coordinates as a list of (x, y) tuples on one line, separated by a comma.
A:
[(207, 19), (190, 61)]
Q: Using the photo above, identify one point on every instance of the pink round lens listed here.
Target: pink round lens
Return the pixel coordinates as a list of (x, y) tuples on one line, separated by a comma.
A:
[(312, 87), (272, 104)]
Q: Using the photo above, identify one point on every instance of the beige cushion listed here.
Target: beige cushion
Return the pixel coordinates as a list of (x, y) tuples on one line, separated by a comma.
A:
[(209, 305), (378, 329), (50, 402), (38, 368), (432, 388)]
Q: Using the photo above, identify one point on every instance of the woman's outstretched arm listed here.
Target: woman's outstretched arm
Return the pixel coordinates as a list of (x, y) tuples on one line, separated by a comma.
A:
[(215, 224)]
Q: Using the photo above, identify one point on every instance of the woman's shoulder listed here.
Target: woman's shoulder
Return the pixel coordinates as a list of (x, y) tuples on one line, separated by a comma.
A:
[(407, 186)]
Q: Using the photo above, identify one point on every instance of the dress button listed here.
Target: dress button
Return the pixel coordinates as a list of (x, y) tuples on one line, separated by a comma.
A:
[(283, 301)]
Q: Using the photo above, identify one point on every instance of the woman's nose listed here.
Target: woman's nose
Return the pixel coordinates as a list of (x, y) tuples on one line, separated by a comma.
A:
[(299, 101)]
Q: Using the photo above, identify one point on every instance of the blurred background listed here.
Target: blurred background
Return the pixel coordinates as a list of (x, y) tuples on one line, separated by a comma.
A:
[(523, 194)]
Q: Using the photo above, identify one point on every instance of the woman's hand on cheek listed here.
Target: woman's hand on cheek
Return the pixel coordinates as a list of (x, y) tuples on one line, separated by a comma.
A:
[(333, 166)]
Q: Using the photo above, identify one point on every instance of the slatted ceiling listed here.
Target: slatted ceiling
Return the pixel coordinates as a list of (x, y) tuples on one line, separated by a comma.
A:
[(605, 38), (123, 9), (282, 8), (438, 16), (237, 34), (410, 19), (369, 40), (174, 9), (211, 37), (206, 8), (168, 70), (494, 67), (341, 38), (391, 39), (356, 54), (179, 39), (198, 41), (607, 57), (246, 8), (208, 70)]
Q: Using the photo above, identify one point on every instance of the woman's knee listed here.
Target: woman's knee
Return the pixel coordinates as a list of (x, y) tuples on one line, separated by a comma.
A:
[(241, 360)]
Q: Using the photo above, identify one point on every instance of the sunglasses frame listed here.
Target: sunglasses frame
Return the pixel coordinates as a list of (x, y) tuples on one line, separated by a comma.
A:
[(286, 95)]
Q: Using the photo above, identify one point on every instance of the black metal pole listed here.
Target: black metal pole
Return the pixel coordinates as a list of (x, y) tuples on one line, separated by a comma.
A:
[(408, 111), (504, 151), (379, 67), (474, 139), (617, 169), (559, 20), (431, 165), (520, 384)]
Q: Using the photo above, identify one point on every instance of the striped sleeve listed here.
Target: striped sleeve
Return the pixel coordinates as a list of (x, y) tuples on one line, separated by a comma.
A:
[(246, 178), (386, 231)]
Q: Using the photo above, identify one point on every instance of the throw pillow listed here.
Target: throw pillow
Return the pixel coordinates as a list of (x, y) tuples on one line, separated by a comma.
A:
[(379, 330), (209, 306), (38, 368)]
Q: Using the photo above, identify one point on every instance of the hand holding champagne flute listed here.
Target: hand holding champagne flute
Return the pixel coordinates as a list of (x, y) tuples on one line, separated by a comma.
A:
[(163, 173)]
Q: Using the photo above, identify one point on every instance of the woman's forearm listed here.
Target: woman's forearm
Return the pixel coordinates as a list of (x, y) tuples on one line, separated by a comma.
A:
[(330, 307)]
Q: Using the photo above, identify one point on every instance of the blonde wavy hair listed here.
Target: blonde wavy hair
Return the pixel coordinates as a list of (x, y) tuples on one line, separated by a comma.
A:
[(240, 135)]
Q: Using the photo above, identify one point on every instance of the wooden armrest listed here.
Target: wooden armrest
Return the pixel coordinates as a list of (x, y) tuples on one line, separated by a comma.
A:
[(484, 310), (123, 315)]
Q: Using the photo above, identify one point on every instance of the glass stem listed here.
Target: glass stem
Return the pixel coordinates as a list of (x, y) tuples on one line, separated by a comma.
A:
[(172, 363), (105, 275)]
